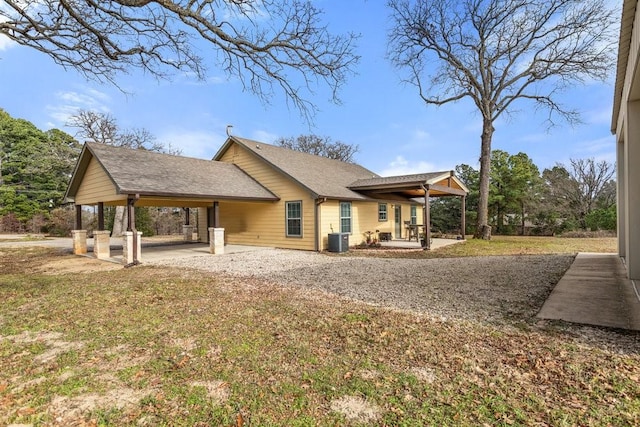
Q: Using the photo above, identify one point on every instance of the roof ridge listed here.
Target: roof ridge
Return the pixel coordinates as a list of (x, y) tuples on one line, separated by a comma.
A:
[(248, 142)]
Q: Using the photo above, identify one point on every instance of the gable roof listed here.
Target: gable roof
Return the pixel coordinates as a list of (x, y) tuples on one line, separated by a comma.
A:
[(149, 173), (322, 176), (407, 181)]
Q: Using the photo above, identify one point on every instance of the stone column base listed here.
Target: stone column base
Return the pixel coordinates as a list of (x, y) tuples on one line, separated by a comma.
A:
[(79, 242), (187, 231), (216, 240), (127, 247), (101, 242)]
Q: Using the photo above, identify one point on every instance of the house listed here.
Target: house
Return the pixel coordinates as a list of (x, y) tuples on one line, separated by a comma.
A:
[(258, 194), (626, 126)]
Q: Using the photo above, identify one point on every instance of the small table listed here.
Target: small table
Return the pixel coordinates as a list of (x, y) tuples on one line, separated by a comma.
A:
[(413, 231)]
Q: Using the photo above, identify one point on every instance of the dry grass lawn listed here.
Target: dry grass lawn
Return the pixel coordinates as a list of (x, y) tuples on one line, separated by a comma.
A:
[(88, 344)]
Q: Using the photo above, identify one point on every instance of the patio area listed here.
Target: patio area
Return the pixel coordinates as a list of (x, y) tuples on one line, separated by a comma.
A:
[(411, 244)]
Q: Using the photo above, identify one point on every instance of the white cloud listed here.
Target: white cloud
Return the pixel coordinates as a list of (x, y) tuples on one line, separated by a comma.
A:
[(533, 137), (6, 43), (599, 146), (600, 116), (402, 166), (70, 102), (201, 144), (264, 136)]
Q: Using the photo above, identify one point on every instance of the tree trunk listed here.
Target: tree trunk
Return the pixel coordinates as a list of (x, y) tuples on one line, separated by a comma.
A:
[(522, 218), (119, 221), (483, 230)]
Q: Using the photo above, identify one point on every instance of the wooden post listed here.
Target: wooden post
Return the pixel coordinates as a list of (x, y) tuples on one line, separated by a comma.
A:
[(100, 216), (78, 217), (463, 220), (426, 220), (216, 214), (131, 221)]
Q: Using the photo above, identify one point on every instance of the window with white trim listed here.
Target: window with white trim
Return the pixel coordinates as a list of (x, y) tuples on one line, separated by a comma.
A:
[(382, 211), (294, 218), (345, 217), (414, 214)]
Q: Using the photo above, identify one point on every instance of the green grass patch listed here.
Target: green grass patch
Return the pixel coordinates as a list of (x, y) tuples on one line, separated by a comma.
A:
[(158, 346), (501, 245)]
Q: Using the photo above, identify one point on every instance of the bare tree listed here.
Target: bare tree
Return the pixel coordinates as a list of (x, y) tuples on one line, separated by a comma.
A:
[(103, 128), (94, 126), (497, 52), (591, 183), (320, 146), (264, 43), (582, 187)]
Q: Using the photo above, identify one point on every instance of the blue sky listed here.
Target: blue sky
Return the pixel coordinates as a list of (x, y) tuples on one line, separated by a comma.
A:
[(395, 131)]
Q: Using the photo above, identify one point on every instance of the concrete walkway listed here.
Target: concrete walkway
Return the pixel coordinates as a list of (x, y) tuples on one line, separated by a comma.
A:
[(595, 291)]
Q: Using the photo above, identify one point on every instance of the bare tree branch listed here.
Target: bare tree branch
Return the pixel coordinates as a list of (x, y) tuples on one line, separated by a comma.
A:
[(266, 44), (320, 146), (498, 52)]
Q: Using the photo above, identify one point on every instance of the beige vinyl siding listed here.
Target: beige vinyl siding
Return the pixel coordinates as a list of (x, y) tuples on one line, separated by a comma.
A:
[(264, 224), (329, 217), (97, 186), (364, 217)]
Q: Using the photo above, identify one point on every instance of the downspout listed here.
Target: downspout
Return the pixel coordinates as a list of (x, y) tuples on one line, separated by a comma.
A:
[(317, 216)]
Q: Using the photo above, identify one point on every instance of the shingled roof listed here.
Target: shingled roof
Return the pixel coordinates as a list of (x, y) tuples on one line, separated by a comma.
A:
[(393, 181), (322, 176), (442, 183), (149, 173)]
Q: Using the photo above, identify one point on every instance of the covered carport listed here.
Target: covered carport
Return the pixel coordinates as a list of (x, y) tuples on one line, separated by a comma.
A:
[(116, 176), (417, 186)]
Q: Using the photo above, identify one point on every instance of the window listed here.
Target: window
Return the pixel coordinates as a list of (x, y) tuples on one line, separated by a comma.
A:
[(345, 217), (294, 219), (414, 214), (382, 211)]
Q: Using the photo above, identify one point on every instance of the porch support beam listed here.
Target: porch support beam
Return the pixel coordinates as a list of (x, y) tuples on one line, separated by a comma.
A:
[(447, 190), (216, 215), (426, 220), (463, 219), (100, 216), (78, 217), (187, 228)]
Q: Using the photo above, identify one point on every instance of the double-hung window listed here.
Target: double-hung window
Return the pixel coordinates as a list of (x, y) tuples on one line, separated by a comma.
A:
[(414, 214), (382, 211), (345, 217), (294, 219)]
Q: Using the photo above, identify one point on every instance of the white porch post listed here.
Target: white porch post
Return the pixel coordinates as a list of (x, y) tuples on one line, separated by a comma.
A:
[(131, 252), (216, 240)]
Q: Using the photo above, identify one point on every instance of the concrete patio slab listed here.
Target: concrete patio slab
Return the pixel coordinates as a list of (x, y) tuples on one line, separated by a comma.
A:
[(411, 244), (595, 291)]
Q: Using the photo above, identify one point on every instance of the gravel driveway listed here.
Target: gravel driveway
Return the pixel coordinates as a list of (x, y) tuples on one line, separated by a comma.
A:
[(495, 289)]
